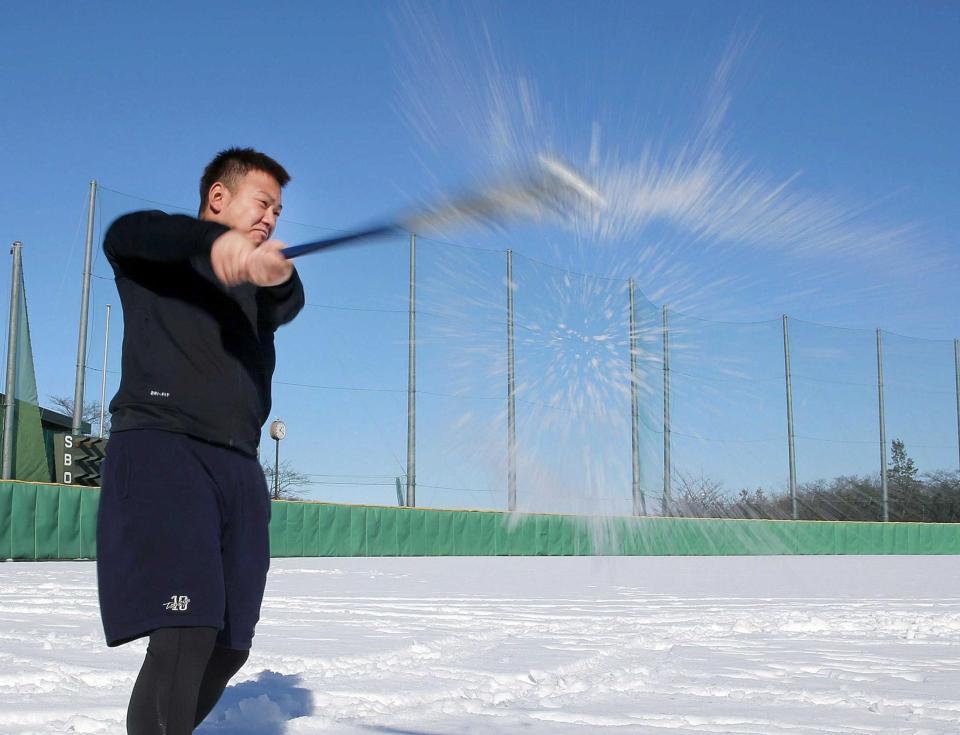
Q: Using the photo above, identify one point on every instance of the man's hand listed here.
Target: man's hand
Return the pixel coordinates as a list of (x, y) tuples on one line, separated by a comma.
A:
[(267, 266), (228, 256), (236, 259)]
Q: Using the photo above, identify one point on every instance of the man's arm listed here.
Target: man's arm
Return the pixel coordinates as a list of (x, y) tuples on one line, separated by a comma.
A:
[(278, 305), (159, 237)]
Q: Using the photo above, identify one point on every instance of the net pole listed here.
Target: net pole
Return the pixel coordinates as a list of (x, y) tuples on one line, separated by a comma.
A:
[(84, 313), (412, 380), (511, 395), (667, 470), (956, 368), (883, 428), (103, 375), (791, 447), (639, 502)]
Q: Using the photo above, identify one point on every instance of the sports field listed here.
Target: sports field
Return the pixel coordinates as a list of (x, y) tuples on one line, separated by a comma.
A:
[(444, 646)]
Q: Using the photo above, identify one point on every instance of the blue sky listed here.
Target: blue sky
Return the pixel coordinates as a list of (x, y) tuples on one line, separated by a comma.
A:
[(760, 159)]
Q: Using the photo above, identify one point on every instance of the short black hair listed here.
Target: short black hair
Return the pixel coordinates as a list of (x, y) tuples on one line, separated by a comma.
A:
[(232, 164)]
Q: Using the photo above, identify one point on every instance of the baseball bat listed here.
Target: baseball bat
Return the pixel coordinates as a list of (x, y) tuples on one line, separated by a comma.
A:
[(548, 186)]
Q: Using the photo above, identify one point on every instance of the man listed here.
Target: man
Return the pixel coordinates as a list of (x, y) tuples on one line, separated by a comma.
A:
[(182, 532)]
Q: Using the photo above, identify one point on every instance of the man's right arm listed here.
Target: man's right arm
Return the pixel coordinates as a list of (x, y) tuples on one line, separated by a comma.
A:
[(159, 237)]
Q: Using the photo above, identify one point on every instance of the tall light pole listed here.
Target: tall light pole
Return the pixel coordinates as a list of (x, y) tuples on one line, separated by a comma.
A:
[(278, 430)]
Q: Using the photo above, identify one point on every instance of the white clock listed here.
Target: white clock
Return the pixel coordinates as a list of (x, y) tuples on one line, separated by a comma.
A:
[(278, 430)]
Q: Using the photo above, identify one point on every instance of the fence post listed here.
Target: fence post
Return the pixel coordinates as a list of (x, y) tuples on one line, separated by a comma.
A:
[(791, 449), (667, 470), (956, 366), (103, 375), (639, 502), (84, 311), (511, 395), (883, 428), (412, 380)]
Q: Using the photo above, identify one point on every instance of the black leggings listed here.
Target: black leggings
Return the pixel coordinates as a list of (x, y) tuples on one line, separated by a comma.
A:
[(181, 680)]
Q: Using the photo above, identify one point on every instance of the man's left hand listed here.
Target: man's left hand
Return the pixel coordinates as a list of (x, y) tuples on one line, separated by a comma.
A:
[(267, 266)]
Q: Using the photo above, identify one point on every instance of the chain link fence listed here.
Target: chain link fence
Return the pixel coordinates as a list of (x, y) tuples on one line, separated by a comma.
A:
[(711, 434)]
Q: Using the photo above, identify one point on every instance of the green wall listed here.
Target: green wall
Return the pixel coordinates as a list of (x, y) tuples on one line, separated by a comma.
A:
[(40, 521)]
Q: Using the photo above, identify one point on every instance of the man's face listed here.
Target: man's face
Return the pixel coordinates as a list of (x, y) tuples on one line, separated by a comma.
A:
[(252, 208)]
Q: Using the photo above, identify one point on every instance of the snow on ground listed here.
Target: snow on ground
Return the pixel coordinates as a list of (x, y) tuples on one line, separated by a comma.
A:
[(444, 646)]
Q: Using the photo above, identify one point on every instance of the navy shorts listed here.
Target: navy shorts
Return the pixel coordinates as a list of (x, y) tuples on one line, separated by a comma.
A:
[(182, 537)]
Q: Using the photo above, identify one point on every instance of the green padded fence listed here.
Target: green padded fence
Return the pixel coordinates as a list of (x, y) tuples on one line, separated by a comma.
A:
[(40, 521)]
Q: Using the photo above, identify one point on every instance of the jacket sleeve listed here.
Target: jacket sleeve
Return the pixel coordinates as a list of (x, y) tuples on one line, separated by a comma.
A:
[(159, 237), (278, 305)]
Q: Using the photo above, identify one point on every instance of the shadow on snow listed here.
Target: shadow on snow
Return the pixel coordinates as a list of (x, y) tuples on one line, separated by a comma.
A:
[(262, 706)]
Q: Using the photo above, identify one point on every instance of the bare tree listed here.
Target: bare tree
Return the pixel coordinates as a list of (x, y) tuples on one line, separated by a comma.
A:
[(290, 481), (699, 496), (91, 411)]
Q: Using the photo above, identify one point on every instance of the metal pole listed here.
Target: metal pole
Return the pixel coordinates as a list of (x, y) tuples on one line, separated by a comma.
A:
[(511, 395), (10, 389), (412, 381), (276, 469), (103, 375), (666, 413), (639, 503), (956, 363), (883, 429), (790, 436), (84, 309)]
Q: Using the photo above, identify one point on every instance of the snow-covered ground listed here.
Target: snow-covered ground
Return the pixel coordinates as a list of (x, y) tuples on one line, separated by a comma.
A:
[(444, 646)]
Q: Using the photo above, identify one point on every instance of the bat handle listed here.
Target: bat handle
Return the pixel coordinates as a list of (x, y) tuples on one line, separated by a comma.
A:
[(295, 251)]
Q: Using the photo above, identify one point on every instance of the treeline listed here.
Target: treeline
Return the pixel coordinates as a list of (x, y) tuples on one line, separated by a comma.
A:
[(932, 497)]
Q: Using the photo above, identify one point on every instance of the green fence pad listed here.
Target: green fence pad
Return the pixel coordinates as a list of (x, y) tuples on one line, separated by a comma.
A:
[(922, 539), (343, 525), (431, 532), (23, 520), (583, 539), (488, 533), (295, 521), (403, 533), (374, 531), (945, 539), (48, 518), (40, 521), (89, 504), (857, 538), (417, 541), (461, 529), (327, 531), (68, 528), (629, 539), (892, 535), (278, 535), (556, 534), (6, 527), (508, 532), (815, 538), (468, 534), (387, 541), (446, 531), (355, 524), (311, 529)]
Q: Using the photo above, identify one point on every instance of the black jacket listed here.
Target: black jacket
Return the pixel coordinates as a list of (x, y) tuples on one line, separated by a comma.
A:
[(198, 357)]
